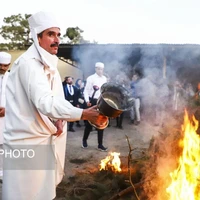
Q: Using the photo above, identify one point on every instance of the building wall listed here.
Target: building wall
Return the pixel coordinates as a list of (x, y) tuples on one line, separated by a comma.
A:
[(68, 70)]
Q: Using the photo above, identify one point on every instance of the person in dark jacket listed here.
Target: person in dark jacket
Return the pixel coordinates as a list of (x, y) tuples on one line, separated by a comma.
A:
[(72, 94), (81, 101)]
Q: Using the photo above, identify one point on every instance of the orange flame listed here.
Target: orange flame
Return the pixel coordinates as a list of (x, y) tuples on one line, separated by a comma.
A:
[(112, 162), (186, 178)]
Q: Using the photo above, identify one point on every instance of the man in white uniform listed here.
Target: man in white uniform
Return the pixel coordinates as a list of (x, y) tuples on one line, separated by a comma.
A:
[(5, 60), (91, 95), (36, 114)]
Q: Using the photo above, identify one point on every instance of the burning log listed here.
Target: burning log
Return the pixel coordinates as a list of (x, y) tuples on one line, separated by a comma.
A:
[(172, 172), (185, 179), (112, 163)]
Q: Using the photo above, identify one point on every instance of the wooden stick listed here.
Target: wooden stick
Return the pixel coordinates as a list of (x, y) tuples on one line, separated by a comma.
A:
[(126, 191)]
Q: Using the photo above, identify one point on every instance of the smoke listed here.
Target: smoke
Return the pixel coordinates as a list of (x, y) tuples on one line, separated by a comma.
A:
[(159, 67), (117, 59), (164, 153), (181, 60)]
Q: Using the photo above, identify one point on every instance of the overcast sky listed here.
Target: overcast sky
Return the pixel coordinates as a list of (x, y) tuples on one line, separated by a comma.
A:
[(120, 21)]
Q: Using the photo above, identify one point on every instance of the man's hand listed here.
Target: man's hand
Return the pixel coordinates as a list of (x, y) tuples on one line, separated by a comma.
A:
[(2, 111), (59, 126), (88, 104), (92, 114)]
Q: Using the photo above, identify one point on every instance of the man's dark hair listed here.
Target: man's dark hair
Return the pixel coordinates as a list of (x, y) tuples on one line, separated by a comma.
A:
[(40, 34), (67, 77)]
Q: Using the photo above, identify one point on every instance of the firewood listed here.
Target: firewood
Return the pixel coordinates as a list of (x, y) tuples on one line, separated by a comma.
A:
[(126, 191)]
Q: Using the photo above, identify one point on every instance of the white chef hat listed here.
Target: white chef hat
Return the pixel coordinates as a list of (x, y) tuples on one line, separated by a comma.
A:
[(42, 20), (5, 58), (99, 64)]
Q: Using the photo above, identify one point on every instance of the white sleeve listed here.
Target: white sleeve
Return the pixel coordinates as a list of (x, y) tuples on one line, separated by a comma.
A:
[(88, 88), (37, 88)]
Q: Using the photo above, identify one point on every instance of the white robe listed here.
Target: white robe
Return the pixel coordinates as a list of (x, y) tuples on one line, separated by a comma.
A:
[(32, 94), (3, 103)]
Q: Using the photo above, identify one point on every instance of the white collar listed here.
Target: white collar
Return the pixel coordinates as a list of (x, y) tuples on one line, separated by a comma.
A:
[(47, 59)]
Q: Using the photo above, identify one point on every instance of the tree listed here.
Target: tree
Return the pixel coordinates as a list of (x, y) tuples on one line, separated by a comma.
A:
[(16, 31), (74, 34)]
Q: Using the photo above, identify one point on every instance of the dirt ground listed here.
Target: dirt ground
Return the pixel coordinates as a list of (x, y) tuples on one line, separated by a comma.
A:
[(114, 138), (86, 161), (79, 160)]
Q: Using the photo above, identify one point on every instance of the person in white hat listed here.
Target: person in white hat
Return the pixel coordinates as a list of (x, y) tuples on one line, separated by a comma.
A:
[(36, 116), (91, 95), (5, 60)]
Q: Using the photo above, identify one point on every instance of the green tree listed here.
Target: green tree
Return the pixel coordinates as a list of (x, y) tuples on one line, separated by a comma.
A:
[(74, 34), (16, 31)]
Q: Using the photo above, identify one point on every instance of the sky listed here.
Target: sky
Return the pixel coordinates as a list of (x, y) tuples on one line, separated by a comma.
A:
[(120, 21)]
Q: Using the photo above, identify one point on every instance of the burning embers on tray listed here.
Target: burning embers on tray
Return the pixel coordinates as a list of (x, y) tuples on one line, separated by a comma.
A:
[(111, 162), (185, 180)]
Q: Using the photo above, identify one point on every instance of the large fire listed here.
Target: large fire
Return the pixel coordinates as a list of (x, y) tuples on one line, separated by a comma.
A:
[(185, 184), (111, 162)]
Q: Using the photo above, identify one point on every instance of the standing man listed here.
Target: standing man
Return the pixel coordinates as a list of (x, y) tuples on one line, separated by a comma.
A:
[(119, 120), (91, 95), (72, 94), (36, 115), (5, 60), (135, 110)]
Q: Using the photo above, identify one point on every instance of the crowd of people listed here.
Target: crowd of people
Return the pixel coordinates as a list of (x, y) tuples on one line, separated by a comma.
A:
[(153, 97)]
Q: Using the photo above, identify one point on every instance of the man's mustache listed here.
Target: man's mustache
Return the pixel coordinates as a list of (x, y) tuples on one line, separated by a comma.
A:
[(2, 71), (54, 45)]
